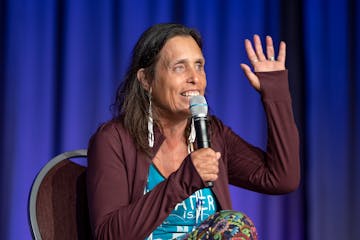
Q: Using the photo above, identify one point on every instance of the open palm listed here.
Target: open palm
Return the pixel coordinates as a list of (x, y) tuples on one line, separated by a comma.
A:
[(260, 62)]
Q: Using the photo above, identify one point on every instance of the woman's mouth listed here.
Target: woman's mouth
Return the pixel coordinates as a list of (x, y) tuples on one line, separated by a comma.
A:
[(190, 93)]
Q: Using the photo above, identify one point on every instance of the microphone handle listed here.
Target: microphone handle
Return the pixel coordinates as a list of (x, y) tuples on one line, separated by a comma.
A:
[(202, 137)]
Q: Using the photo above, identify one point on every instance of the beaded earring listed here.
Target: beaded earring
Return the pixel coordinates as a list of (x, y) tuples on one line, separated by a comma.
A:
[(150, 123), (192, 137)]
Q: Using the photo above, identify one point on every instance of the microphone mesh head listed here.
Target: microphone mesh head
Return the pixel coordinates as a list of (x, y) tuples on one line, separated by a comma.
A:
[(198, 106)]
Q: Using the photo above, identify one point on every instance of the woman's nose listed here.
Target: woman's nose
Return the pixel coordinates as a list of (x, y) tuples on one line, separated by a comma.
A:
[(193, 75)]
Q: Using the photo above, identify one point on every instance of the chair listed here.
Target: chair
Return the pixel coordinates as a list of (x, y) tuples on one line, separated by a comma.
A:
[(57, 202)]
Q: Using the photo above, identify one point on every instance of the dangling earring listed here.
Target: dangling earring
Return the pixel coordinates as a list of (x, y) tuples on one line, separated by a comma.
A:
[(150, 123), (192, 137)]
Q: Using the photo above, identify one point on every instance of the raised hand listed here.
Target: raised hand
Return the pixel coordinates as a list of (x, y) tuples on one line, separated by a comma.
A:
[(260, 62)]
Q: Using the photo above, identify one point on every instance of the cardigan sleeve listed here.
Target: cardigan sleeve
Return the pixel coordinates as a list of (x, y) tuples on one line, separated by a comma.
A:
[(276, 170), (118, 207)]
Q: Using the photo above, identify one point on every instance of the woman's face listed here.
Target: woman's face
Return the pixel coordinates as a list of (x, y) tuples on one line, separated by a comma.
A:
[(179, 75)]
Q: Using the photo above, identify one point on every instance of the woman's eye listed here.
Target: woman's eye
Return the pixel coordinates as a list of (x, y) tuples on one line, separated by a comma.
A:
[(199, 66), (179, 68)]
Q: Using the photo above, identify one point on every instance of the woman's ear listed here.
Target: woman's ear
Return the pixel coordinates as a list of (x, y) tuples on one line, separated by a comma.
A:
[(142, 79)]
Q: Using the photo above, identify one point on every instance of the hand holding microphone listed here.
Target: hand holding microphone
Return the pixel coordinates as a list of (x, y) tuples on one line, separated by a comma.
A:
[(205, 159)]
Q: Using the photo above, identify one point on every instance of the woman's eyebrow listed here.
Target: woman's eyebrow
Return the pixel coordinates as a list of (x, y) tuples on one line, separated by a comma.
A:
[(186, 60)]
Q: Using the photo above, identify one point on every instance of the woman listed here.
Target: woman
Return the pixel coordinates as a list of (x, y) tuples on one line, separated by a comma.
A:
[(144, 178)]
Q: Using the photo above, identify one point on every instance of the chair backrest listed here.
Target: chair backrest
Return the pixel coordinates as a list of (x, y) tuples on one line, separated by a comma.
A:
[(57, 203)]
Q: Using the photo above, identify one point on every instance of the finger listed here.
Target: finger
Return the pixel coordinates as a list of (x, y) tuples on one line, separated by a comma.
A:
[(250, 52), (205, 156), (208, 153), (270, 52), (253, 79), (210, 169), (258, 48), (209, 177), (282, 52)]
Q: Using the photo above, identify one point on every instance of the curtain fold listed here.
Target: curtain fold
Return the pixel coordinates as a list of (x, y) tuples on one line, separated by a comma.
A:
[(61, 61)]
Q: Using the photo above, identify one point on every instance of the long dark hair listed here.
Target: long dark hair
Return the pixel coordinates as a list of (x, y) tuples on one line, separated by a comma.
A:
[(132, 100)]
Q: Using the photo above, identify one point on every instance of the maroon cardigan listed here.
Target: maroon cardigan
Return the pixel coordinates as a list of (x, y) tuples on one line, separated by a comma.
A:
[(117, 171)]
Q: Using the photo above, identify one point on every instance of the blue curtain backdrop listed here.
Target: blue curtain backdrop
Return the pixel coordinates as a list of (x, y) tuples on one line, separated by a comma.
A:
[(60, 62)]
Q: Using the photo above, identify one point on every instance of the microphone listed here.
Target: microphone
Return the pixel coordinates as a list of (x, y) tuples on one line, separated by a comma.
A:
[(199, 112)]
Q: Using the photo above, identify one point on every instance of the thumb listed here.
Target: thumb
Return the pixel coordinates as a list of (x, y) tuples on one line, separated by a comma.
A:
[(253, 79)]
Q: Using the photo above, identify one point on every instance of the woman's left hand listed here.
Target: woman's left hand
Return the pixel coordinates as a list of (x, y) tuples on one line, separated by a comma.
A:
[(260, 62)]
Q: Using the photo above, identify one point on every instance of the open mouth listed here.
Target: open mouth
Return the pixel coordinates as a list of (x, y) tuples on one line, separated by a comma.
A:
[(190, 93)]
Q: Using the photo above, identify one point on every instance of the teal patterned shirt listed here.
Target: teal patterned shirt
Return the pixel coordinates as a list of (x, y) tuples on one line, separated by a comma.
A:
[(187, 215)]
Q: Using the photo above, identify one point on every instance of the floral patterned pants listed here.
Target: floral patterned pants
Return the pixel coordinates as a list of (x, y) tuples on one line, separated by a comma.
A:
[(225, 224)]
